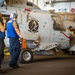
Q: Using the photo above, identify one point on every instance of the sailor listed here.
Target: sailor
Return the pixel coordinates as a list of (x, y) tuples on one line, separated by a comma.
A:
[(2, 36), (13, 33)]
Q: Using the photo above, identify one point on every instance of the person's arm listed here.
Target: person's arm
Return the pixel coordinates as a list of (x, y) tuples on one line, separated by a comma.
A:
[(71, 32), (16, 29), (4, 22), (2, 27)]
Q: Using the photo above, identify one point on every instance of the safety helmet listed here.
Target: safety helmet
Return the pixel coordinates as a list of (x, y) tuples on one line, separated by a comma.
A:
[(0, 15), (12, 16)]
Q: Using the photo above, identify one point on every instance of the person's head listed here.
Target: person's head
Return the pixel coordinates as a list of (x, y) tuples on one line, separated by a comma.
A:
[(13, 16), (0, 15), (70, 28)]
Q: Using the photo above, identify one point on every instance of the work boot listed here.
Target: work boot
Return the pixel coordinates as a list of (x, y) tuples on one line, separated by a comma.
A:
[(15, 66)]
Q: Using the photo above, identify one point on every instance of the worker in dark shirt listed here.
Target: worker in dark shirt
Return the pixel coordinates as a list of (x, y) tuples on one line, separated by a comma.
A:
[(2, 36)]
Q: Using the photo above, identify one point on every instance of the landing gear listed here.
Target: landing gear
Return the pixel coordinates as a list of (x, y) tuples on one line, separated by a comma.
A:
[(26, 56)]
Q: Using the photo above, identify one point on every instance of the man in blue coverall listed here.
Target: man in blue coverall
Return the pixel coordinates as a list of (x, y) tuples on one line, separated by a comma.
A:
[(13, 33)]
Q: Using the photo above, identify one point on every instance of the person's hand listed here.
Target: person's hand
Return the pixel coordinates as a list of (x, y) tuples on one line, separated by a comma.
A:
[(21, 38)]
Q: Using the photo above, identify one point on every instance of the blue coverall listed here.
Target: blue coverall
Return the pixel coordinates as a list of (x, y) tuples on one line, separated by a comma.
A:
[(14, 42)]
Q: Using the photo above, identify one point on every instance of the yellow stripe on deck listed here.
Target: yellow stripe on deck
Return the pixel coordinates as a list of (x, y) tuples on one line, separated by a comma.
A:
[(6, 52)]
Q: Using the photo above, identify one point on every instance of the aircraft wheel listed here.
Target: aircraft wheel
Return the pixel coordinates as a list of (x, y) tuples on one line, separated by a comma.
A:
[(26, 56)]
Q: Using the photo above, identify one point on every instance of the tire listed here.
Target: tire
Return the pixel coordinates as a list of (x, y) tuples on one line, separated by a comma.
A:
[(26, 56)]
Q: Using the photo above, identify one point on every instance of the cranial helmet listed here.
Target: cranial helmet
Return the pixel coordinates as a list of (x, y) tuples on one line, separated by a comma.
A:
[(12, 16)]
